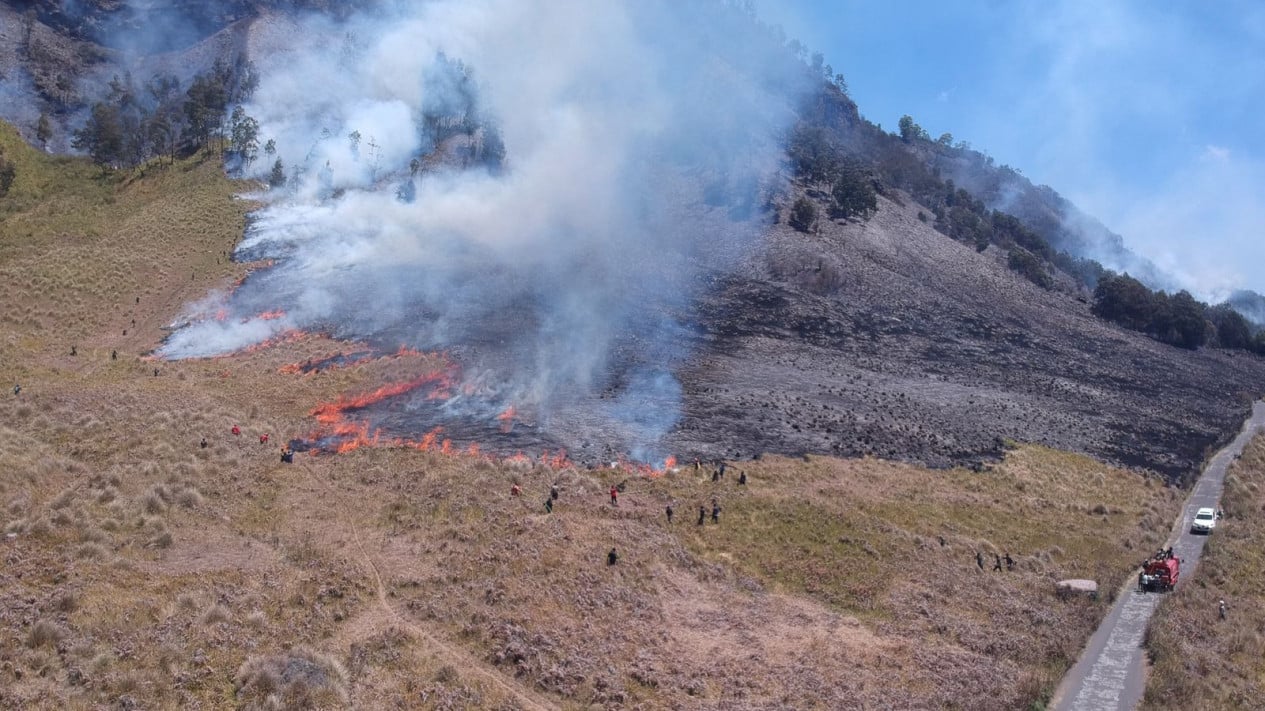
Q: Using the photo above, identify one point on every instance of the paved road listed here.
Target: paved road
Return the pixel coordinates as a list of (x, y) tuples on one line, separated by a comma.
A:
[(1110, 675)]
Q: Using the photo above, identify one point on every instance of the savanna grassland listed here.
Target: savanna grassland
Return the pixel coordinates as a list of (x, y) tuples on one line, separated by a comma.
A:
[(1199, 660), (141, 570)]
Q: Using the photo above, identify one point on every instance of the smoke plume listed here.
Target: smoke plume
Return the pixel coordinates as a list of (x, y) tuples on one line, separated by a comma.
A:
[(536, 188)]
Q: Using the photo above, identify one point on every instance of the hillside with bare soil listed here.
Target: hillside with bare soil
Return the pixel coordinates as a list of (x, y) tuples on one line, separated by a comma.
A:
[(143, 570)]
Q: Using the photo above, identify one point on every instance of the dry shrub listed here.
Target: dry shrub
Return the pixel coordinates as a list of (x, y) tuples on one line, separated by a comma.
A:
[(67, 602), (189, 498), (153, 504), (162, 540), (257, 619), (40, 528), (90, 551), (216, 614), (187, 602), (301, 678), (63, 499), (44, 633)]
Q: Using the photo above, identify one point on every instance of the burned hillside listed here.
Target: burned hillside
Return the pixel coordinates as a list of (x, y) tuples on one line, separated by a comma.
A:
[(887, 338)]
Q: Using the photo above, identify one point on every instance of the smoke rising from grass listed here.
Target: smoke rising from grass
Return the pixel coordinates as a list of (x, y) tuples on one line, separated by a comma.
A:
[(640, 139)]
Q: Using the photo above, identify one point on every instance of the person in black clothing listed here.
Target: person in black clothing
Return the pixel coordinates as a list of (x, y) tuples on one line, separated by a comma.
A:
[(553, 492), (997, 565), (548, 505), (1010, 562), (722, 470), (612, 558), (669, 512), (702, 515), (203, 444), (742, 478), (73, 351), (114, 355), (715, 512)]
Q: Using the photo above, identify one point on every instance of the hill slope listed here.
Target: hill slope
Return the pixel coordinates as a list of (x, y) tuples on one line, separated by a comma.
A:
[(886, 337), (143, 570)]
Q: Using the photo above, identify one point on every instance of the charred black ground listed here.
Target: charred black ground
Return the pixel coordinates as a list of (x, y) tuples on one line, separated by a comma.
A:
[(888, 339)]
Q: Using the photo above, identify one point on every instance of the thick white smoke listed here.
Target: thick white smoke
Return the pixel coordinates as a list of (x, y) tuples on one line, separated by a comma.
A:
[(639, 139)]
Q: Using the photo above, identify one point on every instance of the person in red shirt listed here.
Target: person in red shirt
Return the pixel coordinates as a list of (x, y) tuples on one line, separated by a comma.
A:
[(614, 496), (236, 430), (263, 438)]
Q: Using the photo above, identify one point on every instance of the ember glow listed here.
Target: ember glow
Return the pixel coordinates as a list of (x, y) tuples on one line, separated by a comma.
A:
[(535, 187)]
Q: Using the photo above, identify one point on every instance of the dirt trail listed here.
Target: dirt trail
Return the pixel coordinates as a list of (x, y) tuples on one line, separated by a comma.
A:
[(455, 655), (1111, 673)]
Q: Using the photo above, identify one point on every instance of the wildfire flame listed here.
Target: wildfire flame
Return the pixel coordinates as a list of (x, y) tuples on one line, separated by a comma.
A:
[(507, 419), (340, 430), (268, 315)]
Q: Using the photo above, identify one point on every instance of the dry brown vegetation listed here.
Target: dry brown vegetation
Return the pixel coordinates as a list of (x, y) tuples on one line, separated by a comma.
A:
[(143, 571), (1197, 659)]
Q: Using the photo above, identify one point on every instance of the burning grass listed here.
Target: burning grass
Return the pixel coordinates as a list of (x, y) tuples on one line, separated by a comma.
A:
[(1197, 659)]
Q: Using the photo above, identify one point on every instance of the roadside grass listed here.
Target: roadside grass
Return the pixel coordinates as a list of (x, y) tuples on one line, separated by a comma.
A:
[(147, 571), (1197, 659)]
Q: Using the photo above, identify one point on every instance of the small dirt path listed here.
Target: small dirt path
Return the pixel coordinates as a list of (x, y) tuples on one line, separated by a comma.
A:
[(458, 657), (1111, 673)]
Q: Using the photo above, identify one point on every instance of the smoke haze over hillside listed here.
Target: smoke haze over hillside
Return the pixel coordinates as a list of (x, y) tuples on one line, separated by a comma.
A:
[(639, 139)]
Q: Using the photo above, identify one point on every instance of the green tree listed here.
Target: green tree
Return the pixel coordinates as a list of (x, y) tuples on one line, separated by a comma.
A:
[(813, 154), (101, 136), (1233, 331), (277, 177), (7, 175), (803, 215), (1126, 301), (205, 103), (910, 131), (353, 139), (43, 130), (244, 132), (853, 192), (1030, 267), (1186, 316)]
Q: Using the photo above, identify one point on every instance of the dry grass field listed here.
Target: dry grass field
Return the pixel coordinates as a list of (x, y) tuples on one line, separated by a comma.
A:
[(142, 571), (1199, 660)]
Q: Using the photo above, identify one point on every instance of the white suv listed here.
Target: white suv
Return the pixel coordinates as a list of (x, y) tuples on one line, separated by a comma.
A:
[(1205, 521)]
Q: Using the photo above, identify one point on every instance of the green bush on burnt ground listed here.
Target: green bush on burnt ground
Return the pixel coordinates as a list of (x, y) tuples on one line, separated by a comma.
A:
[(1200, 661), (803, 215)]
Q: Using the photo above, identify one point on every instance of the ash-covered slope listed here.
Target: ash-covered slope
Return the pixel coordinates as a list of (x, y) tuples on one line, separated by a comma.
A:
[(888, 338)]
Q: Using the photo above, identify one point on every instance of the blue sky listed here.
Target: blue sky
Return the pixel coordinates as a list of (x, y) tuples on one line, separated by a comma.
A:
[(1147, 115)]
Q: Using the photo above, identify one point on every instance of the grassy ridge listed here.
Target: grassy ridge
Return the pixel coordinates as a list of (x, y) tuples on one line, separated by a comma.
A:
[(144, 569)]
